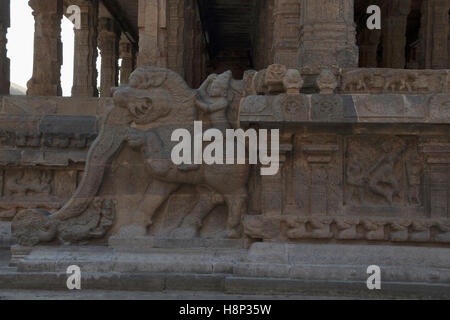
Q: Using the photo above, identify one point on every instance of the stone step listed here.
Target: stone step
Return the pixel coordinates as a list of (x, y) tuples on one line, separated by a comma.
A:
[(265, 268), (220, 284), (144, 295)]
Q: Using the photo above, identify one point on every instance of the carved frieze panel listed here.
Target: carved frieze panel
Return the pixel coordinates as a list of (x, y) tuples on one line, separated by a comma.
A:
[(365, 80), (29, 183), (384, 171), (313, 180), (297, 228), (375, 80), (42, 188)]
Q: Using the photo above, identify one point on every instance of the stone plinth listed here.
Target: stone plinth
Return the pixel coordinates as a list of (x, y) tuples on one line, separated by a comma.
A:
[(266, 268)]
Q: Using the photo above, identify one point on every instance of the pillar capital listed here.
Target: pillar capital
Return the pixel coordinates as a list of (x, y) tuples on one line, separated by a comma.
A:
[(107, 27), (46, 6)]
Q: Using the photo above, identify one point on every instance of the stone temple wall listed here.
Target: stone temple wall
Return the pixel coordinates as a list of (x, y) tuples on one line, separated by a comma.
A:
[(44, 143), (354, 166), (364, 179)]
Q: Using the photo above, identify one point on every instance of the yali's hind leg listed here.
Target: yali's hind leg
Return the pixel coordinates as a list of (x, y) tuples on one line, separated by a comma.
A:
[(207, 200), (156, 193), (237, 205)]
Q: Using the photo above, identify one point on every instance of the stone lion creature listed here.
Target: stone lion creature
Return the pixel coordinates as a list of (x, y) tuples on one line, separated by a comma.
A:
[(144, 115)]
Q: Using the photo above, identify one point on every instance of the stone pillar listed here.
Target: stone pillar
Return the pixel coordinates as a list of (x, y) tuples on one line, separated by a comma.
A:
[(437, 180), (434, 33), (439, 57), (263, 53), (394, 33), (126, 52), (161, 34), (85, 56), (368, 46), (153, 27), (325, 195), (272, 187), (286, 15), (4, 61), (327, 34), (108, 43), (47, 60)]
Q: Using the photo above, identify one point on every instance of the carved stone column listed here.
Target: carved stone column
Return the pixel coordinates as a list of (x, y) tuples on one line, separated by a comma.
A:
[(327, 34), (127, 55), (324, 193), (108, 43), (437, 179), (85, 56), (394, 33), (153, 27), (162, 33), (368, 46), (4, 61), (47, 60), (272, 188), (434, 33), (286, 15)]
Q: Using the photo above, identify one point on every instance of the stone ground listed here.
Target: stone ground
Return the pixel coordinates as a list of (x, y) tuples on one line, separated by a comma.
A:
[(136, 295)]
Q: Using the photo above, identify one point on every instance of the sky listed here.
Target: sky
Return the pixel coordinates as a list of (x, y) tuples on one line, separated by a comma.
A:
[(20, 47)]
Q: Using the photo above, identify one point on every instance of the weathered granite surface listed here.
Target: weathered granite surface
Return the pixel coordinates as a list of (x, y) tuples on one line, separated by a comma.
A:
[(359, 173)]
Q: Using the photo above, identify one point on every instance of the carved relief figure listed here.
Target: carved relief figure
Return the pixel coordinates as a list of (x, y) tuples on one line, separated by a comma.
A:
[(228, 182), (382, 178), (144, 115), (357, 80), (399, 80), (29, 182), (383, 171), (212, 99)]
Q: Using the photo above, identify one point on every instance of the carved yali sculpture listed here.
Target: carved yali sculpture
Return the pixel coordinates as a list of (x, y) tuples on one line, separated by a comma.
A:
[(144, 115), (172, 105)]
